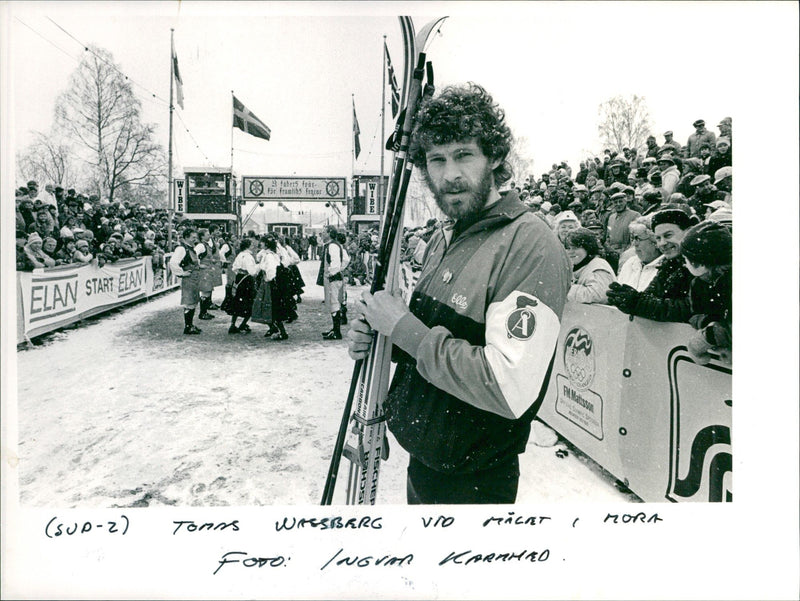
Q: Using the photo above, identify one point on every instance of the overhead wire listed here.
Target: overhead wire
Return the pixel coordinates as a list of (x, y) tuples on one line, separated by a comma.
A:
[(86, 48)]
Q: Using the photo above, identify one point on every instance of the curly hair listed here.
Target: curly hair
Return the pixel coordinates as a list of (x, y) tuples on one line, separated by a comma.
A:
[(458, 114), (585, 239)]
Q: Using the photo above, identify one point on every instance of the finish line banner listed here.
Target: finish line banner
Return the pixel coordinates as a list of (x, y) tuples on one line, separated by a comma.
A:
[(293, 188), (628, 394), (55, 297)]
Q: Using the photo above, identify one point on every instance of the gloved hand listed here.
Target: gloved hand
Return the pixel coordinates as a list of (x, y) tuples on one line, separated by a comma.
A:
[(622, 296), (698, 348)]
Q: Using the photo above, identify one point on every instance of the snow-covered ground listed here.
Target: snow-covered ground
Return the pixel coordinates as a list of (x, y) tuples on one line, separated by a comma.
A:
[(123, 410)]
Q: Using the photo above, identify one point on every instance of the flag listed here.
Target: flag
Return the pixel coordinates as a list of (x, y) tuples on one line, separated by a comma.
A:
[(392, 83), (356, 132), (177, 74), (248, 122)]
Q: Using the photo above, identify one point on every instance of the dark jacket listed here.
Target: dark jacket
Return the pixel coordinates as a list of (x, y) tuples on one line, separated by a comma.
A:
[(667, 296), (488, 303)]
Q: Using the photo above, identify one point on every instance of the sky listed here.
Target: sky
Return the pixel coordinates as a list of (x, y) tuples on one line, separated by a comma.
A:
[(299, 66)]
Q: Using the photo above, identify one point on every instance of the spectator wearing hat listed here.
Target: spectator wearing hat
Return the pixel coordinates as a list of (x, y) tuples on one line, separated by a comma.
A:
[(639, 269), (549, 218), (591, 273), (82, 252), (617, 171), (666, 298), (704, 193), (565, 222), (34, 256), (44, 224), (692, 167), (670, 176), (707, 251), (33, 191), (621, 217), (723, 180), (651, 201), (726, 128), (651, 150), (669, 141), (713, 206), (705, 155), (721, 158), (64, 254), (583, 171), (700, 136)]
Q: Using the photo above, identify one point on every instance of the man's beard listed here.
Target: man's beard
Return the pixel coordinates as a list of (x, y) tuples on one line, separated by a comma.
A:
[(473, 203)]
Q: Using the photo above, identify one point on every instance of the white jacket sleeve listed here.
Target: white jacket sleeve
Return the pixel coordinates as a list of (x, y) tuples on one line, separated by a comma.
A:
[(175, 261)]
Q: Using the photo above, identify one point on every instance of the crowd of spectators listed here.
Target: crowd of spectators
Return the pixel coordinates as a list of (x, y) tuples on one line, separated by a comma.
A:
[(625, 219), (58, 227)]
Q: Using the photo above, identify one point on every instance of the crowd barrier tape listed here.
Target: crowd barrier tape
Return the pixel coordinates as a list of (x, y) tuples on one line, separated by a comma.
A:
[(51, 298), (627, 394)]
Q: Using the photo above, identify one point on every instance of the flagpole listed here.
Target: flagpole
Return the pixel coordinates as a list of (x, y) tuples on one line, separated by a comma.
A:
[(170, 186), (353, 154), (381, 200), (233, 182)]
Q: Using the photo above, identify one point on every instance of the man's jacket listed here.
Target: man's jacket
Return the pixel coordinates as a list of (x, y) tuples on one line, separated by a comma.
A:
[(478, 346)]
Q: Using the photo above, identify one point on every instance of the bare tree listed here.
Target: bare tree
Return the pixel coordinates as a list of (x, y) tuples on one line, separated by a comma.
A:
[(521, 165), (420, 204), (47, 159), (101, 113), (624, 122)]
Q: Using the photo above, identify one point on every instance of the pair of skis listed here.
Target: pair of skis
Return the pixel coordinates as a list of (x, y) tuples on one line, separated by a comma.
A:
[(362, 432)]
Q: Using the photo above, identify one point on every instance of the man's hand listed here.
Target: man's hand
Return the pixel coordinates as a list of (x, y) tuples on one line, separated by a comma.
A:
[(359, 337), (622, 296), (383, 310)]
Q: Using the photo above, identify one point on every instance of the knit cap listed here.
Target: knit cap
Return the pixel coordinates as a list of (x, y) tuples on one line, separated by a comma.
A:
[(708, 243)]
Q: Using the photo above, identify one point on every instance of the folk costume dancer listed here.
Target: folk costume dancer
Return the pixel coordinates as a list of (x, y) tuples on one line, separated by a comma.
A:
[(270, 304), (332, 280), (243, 287), (207, 274), (475, 349), (216, 260), (186, 265), (287, 277)]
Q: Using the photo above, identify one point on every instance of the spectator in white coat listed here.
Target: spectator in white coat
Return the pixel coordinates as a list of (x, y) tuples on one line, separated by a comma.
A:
[(591, 274)]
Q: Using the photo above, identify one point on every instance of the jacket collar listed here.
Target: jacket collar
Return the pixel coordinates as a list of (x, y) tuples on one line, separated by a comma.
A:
[(505, 210)]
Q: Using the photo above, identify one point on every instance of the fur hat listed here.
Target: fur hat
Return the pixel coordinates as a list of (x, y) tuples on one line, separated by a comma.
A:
[(674, 216), (708, 243), (34, 237)]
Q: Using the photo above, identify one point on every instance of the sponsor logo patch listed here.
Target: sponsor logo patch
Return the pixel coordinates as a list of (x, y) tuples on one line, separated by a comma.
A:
[(460, 301), (521, 322)]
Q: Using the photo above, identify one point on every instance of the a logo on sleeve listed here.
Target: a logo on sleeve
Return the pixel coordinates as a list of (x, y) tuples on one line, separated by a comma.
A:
[(521, 322)]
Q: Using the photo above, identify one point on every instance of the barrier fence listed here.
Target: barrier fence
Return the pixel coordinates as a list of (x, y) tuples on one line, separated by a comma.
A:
[(627, 393), (51, 298)]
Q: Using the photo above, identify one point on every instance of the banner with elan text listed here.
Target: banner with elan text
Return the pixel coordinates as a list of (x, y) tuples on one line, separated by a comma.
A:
[(55, 297)]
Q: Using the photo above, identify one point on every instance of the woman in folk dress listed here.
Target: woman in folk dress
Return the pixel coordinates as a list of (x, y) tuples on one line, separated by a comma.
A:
[(245, 269)]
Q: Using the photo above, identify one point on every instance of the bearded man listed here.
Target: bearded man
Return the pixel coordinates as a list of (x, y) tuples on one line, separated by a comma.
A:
[(476, 346)]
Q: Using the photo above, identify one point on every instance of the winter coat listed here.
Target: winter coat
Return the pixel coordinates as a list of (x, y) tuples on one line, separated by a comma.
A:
[(638, 275), (590, 282), (619, 236), (479, 343), (697, 140), (718, 161), (712, 300), (667, 296), (669, 180)]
